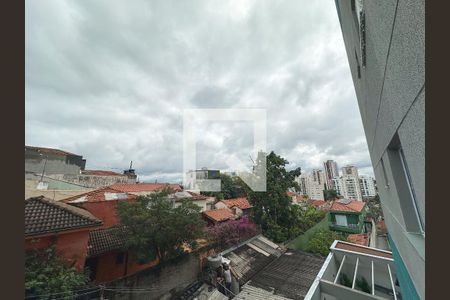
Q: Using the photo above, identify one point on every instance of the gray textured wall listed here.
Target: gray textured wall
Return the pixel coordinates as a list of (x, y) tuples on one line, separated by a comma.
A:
[(391, 98), (164, 282)]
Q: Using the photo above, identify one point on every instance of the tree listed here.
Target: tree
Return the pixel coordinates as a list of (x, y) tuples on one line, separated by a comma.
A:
[(231, 187), (330, 194), (154, 228), (321, 241), (273, 209), (374, 208), (47, 272), (231, 232)]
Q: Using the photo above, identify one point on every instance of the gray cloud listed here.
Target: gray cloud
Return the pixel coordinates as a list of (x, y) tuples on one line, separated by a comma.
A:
[(110, 80)]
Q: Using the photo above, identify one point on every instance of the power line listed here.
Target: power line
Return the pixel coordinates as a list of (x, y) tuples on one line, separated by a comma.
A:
[(68, 292), (79, 295)]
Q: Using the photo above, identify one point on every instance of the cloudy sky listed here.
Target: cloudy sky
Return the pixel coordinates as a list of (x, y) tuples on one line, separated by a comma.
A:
[(110, 79)]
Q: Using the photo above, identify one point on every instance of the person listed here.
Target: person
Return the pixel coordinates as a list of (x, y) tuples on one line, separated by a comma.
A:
[(227, 277)]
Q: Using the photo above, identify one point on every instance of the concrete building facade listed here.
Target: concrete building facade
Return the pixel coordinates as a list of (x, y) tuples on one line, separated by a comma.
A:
[(52, 161), (385, 44), (331, 171), (367, 185), (315, 184)]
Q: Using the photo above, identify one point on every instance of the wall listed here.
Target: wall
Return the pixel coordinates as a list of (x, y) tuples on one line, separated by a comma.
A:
[(72, 245), (200, 203), (164, 280), (391, 98), (54, 163), (97, 181), (54, 194), (104, 210)]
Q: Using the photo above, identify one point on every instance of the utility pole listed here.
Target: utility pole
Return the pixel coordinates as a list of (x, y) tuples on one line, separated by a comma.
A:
[(45, 163)]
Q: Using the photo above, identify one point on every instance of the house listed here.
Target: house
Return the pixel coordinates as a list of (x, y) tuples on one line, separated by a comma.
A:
[(347, 216), (216, 216), (240, 206), (204, 202), (52, 161), (49, 222), (142, 189), (101, 203), (107, 257)]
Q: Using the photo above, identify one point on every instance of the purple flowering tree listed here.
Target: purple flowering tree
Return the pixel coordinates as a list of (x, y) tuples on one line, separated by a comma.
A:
[(231, 232)]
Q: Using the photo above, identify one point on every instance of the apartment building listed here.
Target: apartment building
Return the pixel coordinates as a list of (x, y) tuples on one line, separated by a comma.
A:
[(367, 186), (385, 44), (315, 184), (331, 171), (337, 185)]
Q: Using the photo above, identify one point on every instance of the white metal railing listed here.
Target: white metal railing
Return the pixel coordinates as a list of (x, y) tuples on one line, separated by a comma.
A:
[(340, 269)]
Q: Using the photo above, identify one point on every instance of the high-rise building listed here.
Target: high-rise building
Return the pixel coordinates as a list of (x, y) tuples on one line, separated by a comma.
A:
[(337, 184), (367, 185), (350, 183), (350, 170), (331, 171), (315, 184), (302, 182), (385, 43)]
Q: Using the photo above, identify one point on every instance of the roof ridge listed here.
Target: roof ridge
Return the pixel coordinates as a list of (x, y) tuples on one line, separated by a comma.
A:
[(72, 209)]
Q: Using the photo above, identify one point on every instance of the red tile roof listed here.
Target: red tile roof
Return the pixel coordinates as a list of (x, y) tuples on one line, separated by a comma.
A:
[(359, 238), (101, 173), (365, 250), (106, 240), (43, 216), (219, 215), (144, 187), (103, 194), (352, 206), (291, 194), (50, 150), (316, 203), (242, 203)]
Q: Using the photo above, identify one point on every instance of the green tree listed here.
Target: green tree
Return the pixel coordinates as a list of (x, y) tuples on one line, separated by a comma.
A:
[(321, 241), (231, 187), (47, 272), (154, 228), (374, 208), (273, 209), (330, 194)]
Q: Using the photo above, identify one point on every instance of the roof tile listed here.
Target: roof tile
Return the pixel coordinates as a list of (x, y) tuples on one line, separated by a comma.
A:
[(219, 215), (102, 194), (242, 203), (43, 216), (352, 206), (144, 187)]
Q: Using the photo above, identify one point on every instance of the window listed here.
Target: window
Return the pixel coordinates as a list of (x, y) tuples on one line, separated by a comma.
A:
[(383, 168), (359, 17), (358, 69), (411, 188), (404, 187), (120, 258)]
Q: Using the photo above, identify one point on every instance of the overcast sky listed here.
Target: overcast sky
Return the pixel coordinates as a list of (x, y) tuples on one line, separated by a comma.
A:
[(109, 80)]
